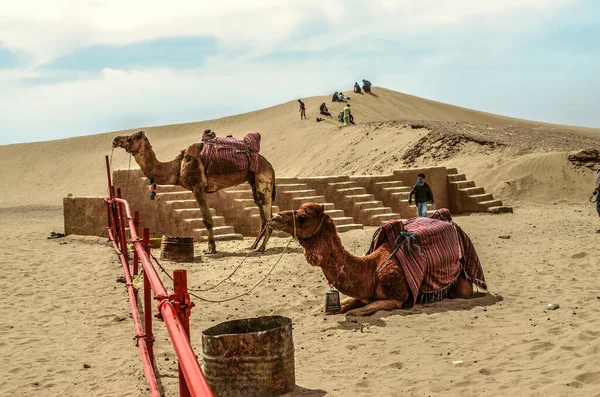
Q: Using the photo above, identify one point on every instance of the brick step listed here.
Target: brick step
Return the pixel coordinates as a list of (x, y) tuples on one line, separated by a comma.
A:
[(389, 184), (328, 206), (400, 196), (456, 177), (377, 219), (182, 204), (193, 212), (351, 226), (471, 191), (299, 193), (368, 212), (217, 230), (491, 203), (298, 201), (219, 237), (397, 189), (171, 196), (285, 181), (197, 222), (344, 220), (463, 184), (239, 194), (342, 185), (349, 191), (363, 205), (500, 210), (251, 211), (482, 197), (335, 213), (451, 171), (167, 188), (289, 187), (360, 197)]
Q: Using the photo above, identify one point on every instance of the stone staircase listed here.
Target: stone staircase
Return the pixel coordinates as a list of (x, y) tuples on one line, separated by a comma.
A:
[(472, 198), (352, 201), (184, 209), (292, 193), (355, 200)]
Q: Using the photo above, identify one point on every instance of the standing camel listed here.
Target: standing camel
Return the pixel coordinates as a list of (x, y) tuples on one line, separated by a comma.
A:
[(187, 170), (379, 281)]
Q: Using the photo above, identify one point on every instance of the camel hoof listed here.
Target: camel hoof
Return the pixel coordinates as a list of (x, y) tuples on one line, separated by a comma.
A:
[(210, 251)]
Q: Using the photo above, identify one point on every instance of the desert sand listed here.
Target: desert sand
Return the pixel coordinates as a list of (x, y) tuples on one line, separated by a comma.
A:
[(66, 330)]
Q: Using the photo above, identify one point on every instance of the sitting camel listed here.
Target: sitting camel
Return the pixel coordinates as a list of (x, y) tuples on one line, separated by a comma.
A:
[(379, 281), (188, 170)]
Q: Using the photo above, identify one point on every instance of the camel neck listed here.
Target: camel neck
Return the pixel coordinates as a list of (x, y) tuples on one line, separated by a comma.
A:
[(351, 275), (161, 173)]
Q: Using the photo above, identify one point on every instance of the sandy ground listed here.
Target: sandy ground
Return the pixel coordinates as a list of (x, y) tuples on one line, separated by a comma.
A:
[(68, 310)]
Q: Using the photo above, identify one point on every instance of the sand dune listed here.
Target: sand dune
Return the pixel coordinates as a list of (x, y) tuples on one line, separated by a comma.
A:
[(44, 172)]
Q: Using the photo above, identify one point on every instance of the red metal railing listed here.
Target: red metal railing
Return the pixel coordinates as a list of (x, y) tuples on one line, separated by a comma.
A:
[(173, 309)]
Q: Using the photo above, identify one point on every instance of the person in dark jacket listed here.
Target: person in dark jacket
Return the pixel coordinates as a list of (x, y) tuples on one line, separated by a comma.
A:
[(357, 88), (366, 86), (423, 195), (323, 110)]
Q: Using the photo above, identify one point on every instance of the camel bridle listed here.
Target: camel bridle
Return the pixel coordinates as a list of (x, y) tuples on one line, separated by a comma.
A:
[(295, 236)]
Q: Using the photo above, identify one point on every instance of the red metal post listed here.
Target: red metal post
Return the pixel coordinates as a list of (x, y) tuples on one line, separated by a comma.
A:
[(140, 341), (184, 307), (185, 353), (148, 299), (136, 258), (111, 190), (122, 234)]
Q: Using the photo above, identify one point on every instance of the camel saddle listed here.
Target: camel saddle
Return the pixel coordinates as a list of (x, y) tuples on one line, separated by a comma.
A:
[(222, 155), (432, 252)]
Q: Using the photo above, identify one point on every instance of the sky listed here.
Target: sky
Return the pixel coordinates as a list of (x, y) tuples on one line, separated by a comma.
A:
[(71, 68)]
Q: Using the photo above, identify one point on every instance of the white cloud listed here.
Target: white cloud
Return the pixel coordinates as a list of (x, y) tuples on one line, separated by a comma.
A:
[(45, 30)]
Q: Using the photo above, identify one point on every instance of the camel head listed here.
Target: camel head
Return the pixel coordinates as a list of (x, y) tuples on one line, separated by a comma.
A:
[(308, 220), (132, 143)]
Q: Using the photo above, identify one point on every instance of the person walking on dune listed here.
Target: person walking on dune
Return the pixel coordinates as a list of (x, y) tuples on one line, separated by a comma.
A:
[(423, 195), (347, 115), (302, 109)]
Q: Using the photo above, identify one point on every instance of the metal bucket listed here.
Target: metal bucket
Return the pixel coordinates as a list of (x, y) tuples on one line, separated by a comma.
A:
[(251, 357), (178, 249)]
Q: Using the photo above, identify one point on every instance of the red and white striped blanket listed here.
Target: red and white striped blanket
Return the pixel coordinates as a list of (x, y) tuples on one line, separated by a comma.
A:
[(227, 154), (433, 253)]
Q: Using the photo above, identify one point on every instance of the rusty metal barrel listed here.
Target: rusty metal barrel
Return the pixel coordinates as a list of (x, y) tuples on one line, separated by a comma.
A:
[(252, 357), (178, 249)]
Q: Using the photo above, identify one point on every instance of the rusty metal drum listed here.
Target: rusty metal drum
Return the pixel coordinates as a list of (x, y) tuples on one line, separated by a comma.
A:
[(252, 357), (178, 249)]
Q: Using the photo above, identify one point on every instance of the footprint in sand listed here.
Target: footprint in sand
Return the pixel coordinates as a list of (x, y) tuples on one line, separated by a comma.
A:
[(590, 378), (579, 255)]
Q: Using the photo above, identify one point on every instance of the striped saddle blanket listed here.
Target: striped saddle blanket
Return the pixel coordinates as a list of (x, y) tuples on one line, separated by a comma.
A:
[(432, 252), (228, 154)]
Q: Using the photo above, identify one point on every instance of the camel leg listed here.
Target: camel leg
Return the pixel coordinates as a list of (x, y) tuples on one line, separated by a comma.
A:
[(263, 189), (351, 303), (373, 307), (464, 288), (202, 200)]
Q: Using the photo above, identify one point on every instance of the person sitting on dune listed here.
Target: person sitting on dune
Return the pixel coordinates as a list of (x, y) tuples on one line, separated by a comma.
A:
[(342, 97), (323, 110), (357, 88)]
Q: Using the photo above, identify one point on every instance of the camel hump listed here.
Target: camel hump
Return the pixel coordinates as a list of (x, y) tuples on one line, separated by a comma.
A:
[(229, 154), (443, 214)]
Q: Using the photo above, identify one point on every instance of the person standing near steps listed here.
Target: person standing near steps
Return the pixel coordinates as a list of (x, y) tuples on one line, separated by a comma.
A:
[(423, 195)]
